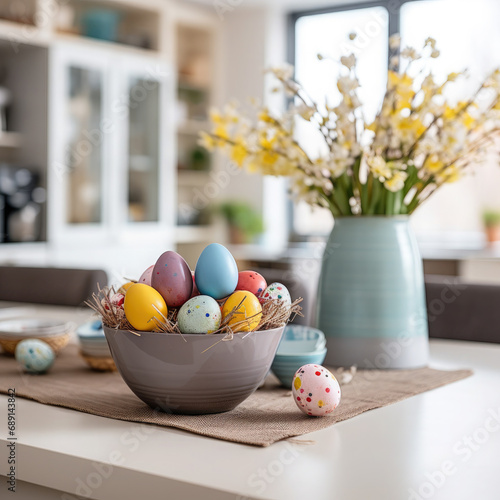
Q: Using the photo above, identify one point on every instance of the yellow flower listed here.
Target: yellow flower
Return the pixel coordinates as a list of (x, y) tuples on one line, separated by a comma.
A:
[(449, 175), (433, 164), (239, 151), (449, 113), (396, 79), (266, 142), (396, 182), (207, 141), (221, 131), (265, 117), (452, 77), (268, 158), (379, 167), (215, 116), (372, 126), (467, 120), (414, 125), (402, 85)]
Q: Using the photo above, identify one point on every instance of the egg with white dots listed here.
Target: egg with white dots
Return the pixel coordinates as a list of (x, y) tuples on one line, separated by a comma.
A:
[(200, 314), (315, 390), (35, 356), (277, 291)]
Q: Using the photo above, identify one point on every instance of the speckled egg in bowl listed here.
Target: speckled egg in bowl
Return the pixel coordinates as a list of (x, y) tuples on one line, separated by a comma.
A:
[(192, 373)]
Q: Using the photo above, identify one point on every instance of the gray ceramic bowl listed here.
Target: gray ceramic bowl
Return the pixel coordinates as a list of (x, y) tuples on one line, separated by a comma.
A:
[(175, 376)]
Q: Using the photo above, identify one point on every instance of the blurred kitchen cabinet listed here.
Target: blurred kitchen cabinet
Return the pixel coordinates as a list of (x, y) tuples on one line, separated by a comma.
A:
[(108, 98), (196, 39), (108, 168)]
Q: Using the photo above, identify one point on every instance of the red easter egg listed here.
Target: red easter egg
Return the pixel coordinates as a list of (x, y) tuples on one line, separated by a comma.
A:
[(251, 282)]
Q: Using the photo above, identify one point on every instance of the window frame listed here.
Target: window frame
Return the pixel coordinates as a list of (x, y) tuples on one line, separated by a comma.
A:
[(393, 8)]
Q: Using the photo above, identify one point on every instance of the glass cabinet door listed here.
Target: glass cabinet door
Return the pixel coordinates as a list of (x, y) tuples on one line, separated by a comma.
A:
[(143, 149), (83, 151)]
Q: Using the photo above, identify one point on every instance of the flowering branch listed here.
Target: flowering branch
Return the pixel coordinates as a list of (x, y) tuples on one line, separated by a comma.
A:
[(417, 142)]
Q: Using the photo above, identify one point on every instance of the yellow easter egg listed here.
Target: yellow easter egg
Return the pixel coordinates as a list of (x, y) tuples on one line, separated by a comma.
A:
[(123, 289), (140, 303), (248, 315)]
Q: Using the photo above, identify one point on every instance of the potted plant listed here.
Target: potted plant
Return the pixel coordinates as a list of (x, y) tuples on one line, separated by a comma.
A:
[(491, 220), (244, 222), (372, 177)]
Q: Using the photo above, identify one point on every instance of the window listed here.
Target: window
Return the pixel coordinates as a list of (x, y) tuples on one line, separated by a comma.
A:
[(467, 37), (328, 34)]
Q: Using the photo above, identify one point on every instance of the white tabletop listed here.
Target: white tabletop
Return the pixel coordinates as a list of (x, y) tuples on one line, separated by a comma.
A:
[(443, 444)]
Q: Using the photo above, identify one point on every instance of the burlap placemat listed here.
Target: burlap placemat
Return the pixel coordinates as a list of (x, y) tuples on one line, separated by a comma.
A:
[(269, 415)]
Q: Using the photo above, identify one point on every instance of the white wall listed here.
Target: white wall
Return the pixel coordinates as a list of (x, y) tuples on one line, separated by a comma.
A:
[(454, 213), (253, 39)]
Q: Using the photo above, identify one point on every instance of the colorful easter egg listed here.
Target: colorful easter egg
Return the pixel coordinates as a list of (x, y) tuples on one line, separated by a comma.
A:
[(142, 304), (315, 390), (35, 356), (172, 278), (216, 272), (146, 276), (252, 282), (200, 314), (277, 291), (247, 316)]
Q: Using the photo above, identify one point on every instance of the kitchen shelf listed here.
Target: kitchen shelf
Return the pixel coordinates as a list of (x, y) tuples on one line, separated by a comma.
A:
[(85, 41), (14, 33), (10, 140), (136, 22)]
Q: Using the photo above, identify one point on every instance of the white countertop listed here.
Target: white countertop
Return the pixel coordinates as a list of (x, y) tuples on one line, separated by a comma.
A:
[(382, 454)]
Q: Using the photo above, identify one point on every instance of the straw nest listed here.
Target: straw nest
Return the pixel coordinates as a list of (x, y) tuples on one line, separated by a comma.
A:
[(275, 314)]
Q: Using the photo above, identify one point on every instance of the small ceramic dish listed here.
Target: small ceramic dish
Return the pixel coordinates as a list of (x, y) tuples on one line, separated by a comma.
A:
[(28, 328), (91, 331), (94, 347), (193, 373), (300, 345), (55, 333)]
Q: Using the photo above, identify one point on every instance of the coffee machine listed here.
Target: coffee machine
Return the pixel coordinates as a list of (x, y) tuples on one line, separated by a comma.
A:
[(21, 203)]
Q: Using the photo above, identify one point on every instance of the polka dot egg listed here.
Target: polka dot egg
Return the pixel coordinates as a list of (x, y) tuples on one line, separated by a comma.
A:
[(315, 390), (201, 314), (277, 291), (35, 356)]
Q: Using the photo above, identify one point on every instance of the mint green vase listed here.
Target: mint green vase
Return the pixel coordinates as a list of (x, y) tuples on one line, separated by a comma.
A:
[(371, 302)]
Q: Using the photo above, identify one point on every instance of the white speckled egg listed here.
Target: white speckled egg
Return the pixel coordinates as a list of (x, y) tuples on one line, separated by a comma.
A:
[(315, 390), (34, 355), (277, 291), (201, 314)]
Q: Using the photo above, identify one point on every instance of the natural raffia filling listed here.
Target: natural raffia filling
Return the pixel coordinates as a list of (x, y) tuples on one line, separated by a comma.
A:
[(275, 314)]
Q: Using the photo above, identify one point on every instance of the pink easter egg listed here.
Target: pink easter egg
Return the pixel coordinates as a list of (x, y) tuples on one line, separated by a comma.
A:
[(315, 390), (145, 278), (172, 278)]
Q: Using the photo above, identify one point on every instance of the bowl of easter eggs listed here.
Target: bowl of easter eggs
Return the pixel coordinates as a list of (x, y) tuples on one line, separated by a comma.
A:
[(195, 342)]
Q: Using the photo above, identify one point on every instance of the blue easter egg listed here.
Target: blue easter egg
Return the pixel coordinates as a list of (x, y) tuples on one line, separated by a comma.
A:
[(216, 273), (34, 355)]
